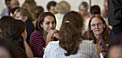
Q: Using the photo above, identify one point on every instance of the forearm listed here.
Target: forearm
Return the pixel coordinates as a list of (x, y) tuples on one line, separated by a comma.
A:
[(28, 50)]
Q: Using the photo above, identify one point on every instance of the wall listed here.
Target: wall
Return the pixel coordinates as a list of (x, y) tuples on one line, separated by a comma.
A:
[(73, 3)]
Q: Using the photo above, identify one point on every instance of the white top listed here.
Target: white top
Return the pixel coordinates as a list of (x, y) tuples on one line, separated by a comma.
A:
[(86, 50)]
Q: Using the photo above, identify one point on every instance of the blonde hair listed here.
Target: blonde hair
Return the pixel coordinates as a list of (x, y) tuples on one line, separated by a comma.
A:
[(30, 5), (63, 7)]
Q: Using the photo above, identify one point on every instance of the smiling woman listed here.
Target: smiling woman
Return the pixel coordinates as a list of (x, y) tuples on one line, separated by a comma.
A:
[(98, 31), (45, 29)]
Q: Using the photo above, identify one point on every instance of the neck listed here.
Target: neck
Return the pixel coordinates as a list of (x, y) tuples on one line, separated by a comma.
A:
[(44, 34), (98, 36)]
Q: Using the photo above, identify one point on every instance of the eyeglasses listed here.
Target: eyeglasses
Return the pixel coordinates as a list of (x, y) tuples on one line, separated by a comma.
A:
[(98, 24)]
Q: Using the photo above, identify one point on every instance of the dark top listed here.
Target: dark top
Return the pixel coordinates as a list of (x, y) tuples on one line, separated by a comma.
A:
[(115, 14), (29, 29), (37, 43)]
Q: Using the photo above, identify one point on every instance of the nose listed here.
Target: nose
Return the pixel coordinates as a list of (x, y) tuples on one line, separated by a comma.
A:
[(51, 26), (96, 26)]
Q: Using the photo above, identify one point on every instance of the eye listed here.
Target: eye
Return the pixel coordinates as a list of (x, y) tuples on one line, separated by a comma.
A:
[(47, 23), (99, 24), (53, 22), (92, 25)]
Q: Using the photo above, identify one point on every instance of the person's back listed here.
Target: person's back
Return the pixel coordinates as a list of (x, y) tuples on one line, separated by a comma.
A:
[(71, 44), (58, 52)]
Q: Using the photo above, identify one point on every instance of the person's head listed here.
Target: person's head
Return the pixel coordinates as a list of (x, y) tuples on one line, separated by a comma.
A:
[(51, 6), (95, 9), (115, 48), (71, 32), (12, 3), (45, 22), (30, 6), (63, 7), (11, 12), (22, 14), (83, 8), (98, 27), (37, 11), (9, 49), (13, 29)]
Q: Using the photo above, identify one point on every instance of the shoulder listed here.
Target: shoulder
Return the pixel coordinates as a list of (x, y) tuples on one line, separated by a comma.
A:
[(53, 43), (87, 44), (88, 48), (36, 33)]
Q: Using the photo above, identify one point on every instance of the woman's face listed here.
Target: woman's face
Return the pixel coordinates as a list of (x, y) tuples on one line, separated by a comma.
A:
[(48, 24), (4, 53), (18, 16), (97, 26)]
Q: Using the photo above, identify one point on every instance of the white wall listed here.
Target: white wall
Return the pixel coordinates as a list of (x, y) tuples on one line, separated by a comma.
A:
[(74, 3)]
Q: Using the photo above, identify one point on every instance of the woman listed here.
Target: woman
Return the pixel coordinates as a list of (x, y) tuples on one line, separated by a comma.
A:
[(24, 15), (44, 32), (71, 45), (98, 31), (15, 30)]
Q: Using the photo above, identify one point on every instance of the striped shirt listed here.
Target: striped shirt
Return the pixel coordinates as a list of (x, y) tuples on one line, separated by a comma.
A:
[(86, 50)]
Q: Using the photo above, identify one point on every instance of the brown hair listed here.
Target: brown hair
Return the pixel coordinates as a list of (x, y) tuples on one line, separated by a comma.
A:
[(71, 32), (41, 18), (105, 33), (24, 12)]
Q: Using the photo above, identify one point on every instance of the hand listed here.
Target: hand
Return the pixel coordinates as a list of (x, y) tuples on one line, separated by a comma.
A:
[(49, 36), (56, 35)]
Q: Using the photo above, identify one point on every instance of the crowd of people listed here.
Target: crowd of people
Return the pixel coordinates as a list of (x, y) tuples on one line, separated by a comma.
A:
[(28, 31)]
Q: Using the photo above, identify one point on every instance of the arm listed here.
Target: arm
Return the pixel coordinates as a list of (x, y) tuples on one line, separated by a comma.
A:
[(52, 35), (28, 50)]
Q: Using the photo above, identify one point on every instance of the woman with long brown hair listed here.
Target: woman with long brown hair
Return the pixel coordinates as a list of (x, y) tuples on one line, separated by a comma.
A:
[(99, 32), (71, 45)]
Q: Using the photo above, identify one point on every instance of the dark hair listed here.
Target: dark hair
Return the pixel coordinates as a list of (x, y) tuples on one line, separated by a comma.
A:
[(85, 4), (13, 10), (13, 29), (5, 19), (14, 50), (41, 18), (51, 3), (95, 9), (71, 32), (37, 11)]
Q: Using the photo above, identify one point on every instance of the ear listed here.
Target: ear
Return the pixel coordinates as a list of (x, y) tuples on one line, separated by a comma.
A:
[(104, 26), (25, 18), (41, 25)]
